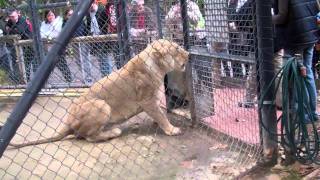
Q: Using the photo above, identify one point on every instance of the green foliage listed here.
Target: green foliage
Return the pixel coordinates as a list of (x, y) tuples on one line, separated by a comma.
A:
[(4, 3), (201, 5), (3, 77)]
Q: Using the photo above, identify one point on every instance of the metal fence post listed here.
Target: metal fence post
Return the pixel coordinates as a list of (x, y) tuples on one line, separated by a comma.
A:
[(266, 73), (25, 102), (119, 32), (126, 34), (38, 47), (185, 25), (123, 31), (188, 73), (159, 19)]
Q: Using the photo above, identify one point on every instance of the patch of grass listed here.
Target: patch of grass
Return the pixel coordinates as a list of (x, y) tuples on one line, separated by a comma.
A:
[(3, 77), (291, 174)]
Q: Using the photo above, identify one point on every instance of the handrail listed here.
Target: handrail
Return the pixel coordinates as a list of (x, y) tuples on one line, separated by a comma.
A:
[(7, 38), (95, 38)]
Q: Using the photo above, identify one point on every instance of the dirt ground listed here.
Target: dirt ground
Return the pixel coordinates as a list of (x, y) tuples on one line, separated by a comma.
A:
[(142, 152)]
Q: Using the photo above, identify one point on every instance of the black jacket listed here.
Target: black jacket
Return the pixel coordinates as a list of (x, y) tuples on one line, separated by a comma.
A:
[(102, 19), (21, 28), (80, 31), (301, 27), (279, 37)]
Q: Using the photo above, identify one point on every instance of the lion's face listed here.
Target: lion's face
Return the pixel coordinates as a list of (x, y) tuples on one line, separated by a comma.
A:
[(180, 57), (173, 56)]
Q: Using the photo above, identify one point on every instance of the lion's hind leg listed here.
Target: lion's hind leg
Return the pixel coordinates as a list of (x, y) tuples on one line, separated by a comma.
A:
[(95, 115)]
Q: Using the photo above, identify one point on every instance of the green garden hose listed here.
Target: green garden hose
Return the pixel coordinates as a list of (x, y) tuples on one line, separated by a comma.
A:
[(296, 133)]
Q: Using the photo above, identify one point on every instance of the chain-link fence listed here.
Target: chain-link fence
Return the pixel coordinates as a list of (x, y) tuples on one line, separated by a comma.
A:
[(108, 73)]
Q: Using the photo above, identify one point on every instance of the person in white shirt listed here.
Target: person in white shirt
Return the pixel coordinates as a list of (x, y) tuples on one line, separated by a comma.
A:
[(50, 29), (51, 26)]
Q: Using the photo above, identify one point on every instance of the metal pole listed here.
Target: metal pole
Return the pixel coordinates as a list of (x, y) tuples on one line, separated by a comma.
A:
[(188, 73), (38, 47), (119, 32), (23, 105), (126, 35), (159, 19), (123, 31), (266, 73), (185, 26)]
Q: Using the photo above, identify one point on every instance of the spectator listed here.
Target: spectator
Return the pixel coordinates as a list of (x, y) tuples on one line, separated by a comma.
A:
[(51, 26), (195, 18), (82, 49), (143, 25), (300, 37), (50, 29), (6, 61), (95, 23), (19, 25)]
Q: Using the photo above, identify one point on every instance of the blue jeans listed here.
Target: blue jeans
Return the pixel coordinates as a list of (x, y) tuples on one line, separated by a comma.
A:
[(105, 63), (6, 63), (311, 90), (85, 61)]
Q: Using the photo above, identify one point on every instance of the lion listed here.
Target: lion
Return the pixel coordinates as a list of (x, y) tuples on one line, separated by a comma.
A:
[(134, 88)]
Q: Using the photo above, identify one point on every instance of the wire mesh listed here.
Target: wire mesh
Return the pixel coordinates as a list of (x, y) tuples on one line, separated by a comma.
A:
[(224, 141)]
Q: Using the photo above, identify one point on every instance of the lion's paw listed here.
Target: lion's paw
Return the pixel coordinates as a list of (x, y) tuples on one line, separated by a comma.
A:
[(173, 131)]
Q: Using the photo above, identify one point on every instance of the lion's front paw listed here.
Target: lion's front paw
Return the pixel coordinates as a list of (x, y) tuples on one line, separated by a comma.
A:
[(173, 131)]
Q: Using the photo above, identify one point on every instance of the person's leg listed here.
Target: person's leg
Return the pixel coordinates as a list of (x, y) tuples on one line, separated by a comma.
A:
[(33, 60), (85, 61), (116, 55), (27, 63), (64, 69), (309, 80), (6, 65), (105, 63), (251, 83), (278, 63)]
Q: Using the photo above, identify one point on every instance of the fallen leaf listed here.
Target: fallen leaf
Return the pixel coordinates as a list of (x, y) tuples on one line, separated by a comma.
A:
[(187, 164), (218, 146)]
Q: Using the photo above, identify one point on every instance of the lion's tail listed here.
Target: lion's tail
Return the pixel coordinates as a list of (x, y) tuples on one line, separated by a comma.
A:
[(64, 133)]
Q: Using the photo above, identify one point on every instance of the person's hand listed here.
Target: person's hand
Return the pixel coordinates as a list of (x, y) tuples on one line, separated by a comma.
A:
[(303, 71)]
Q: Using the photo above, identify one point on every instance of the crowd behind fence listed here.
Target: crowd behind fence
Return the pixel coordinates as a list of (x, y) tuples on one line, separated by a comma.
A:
[(220, 29)]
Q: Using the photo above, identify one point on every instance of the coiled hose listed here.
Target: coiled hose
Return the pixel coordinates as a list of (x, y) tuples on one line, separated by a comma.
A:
[(297, 135)]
